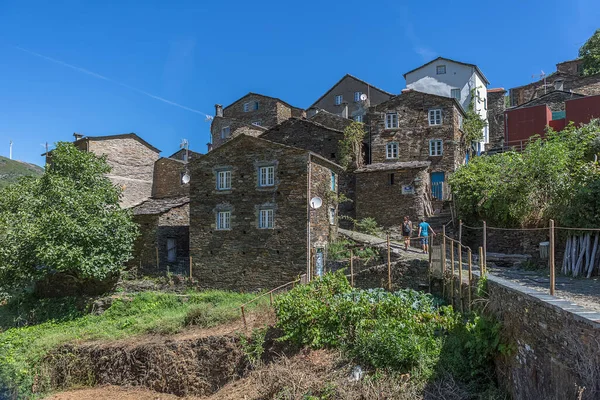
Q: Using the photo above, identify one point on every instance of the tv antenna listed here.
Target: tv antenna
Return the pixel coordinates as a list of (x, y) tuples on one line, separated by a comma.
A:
[(316, 203), (185, 144)]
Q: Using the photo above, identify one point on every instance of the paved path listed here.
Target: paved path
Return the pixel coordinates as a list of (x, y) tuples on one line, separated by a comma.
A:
[(396, 247)]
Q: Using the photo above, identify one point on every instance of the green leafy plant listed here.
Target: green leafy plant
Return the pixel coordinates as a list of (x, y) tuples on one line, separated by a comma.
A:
[(590, 54), (351, 146), (473, 124), (254, 345)]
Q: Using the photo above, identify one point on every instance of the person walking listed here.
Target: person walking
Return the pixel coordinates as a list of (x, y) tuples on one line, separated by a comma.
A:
[(424, 229), (407, 228)]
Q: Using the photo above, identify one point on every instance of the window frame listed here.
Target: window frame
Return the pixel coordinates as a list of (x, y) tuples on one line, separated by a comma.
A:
[(257, 123), (395, 123), (256, 105), (226, 180), (332, 214), (333, 181), (392, 145), (339, 99), (357, 96), (270, 180), (223, 135), (223, 224), (456, 90), (246, 107), (269, 213), (434, 149), (434, 111), (437, 69), (358, 118)]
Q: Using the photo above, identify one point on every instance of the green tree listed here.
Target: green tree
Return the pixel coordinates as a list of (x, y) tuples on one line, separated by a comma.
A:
[(590, 54), (67, 222), (351, 145)]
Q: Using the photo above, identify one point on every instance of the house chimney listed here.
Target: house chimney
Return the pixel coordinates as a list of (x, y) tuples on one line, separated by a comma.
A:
[(345, 111), (209, 146), (311, 112), (218, 110), (77, 136)]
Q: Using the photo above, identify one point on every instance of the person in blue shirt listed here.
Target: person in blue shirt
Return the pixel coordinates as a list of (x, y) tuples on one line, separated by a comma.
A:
[(424, 229)]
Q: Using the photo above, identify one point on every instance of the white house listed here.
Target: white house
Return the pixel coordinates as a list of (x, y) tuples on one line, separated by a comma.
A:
[(450, 78)]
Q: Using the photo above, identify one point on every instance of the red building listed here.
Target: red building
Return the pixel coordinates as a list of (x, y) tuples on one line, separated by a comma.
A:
[(520, 124)]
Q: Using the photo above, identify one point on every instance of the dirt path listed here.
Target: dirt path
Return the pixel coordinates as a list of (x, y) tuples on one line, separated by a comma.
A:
[(115, 393)]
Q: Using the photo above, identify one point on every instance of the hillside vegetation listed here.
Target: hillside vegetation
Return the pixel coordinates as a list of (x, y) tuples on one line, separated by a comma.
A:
[(11, 171)]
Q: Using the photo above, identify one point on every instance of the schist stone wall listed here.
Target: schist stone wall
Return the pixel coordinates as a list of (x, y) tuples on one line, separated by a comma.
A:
[(586, 85), (414, 133), (245, 257), (555, 100), (496, 107), (323, 220), (330, 120), (156, 227), (132, 164), (380, 195), (168, 173), (236, 128)]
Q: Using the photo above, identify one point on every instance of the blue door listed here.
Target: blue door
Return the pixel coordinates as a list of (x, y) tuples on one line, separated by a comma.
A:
[(437, 185)]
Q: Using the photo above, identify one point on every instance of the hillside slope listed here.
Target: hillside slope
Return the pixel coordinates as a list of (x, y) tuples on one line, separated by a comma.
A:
[(11, 170)]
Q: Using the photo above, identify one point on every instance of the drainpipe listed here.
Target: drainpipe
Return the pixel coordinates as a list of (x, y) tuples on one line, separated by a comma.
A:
[(308, 242)]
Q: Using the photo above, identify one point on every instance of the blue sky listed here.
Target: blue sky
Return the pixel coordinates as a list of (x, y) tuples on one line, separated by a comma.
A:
[(138, 58)]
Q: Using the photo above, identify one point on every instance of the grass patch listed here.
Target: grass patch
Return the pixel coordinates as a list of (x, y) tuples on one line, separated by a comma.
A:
[(23, 348)]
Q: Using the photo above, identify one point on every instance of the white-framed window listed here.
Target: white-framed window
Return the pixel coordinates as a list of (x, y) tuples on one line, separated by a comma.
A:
[(435, 116), (332, 215), (266, 218), (391, 120), (225, 132), (460, 121), (436, 147), (257, 123), (332, 186), (485, 104), (391, 150), (440, 69), (357, 96), (246, 107), (338, 99), (223, 220), (224, 180), (455, 93), (171, 250), (358, 118), (266, 176), (256, 105)]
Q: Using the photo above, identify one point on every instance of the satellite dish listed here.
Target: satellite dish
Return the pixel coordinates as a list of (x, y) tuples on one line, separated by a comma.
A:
[(363, 97), (316, 202), (185, 178)]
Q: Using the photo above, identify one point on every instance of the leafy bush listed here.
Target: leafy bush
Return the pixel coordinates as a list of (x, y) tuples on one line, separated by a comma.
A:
[(340, 250), (254, 345), (368, 225)]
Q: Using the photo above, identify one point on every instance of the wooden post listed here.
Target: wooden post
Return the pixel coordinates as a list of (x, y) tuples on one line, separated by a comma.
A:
[(551, 259), (460, 281), (244, 318), (271, 298), (351, 268), (460, 231), (443, 260), (470, 276), (481, 263), (191, 268), (452, 271), (484, 243), (157, 262), (389, 262), (312, 263)]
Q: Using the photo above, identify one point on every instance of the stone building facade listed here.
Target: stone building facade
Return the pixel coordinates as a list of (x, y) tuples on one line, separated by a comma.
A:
[(168, 179), (389, 191), (496, 107), (555, 100), (250, 115), (567, 78), (182, 154), (328, 119), (344, 98), (250, 217), (416, 126), (131, 159)]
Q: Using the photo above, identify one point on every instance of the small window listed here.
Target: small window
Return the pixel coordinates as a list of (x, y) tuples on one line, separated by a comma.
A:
[(332, 215), (391, 150), (460, 121), (436, 147), (440, 69), (455, 93), (257, 123), (358, 118), (338, 99), (435, 116), (223, 220), (225, 132), (224, 180), (171, 250), (391, 120), (246, 107), (391, 178), (255, 105), (265, 219), (357, 96), (266, 176), (332, 181), (485, 104)]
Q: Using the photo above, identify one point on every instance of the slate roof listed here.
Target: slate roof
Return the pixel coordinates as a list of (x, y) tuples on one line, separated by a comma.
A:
[(159, 206), (387, 166)]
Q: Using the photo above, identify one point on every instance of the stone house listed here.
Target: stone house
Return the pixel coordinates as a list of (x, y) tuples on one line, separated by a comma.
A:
[(250, 115), (131, 159), (416, 126), (567, 78), (496, 107), (455, 79), (389, 191), (345, 99), (251, 224)]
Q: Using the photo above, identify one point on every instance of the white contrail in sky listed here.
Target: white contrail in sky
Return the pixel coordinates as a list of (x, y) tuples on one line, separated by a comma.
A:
[(95, 75)]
